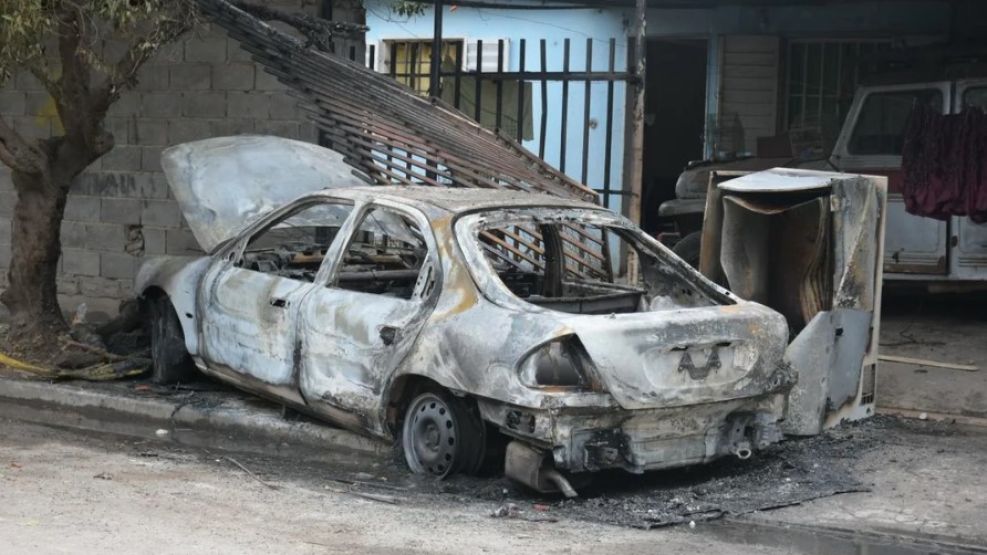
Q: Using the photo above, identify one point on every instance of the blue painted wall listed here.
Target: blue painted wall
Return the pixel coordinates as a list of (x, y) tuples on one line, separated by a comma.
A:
[(555, 26)]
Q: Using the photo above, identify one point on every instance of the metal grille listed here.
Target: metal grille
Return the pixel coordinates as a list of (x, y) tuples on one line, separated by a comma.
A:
[(476, 80), (821, 77)]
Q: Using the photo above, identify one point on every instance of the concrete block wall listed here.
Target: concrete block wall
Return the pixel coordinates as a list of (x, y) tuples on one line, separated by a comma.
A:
[(121, 209)]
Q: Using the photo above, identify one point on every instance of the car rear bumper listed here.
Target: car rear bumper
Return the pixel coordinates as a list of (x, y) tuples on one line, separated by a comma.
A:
[(593, 439)]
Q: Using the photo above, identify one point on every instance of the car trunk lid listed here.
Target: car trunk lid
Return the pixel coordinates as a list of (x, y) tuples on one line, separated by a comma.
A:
[(687, 356)]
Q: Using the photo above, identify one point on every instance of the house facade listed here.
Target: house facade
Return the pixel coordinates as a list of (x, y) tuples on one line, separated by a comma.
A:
[(577, 118), (720, 76), (768, 71)]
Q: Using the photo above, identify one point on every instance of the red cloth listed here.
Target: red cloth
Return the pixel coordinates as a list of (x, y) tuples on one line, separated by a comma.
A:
[(944, 161)]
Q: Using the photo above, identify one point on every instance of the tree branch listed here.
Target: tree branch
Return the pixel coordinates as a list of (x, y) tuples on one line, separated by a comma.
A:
[(124, 73), (42, 72), (16, 153), (72, 94), (318, 31)]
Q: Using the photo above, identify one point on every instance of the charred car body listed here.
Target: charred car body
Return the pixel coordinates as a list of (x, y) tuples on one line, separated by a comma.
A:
[(438, 316)]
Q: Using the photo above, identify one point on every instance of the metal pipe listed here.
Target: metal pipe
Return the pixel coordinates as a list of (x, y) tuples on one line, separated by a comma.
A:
[(436, 62), (634, 169), (743, 450), (559, 480)]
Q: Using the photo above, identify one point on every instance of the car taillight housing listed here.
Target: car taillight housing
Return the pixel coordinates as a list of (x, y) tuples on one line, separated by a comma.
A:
[(562, 362)]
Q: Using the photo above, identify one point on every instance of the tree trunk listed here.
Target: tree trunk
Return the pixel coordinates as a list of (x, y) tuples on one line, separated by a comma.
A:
[(31, 295)]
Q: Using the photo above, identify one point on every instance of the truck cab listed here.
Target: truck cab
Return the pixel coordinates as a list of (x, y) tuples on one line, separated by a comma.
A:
[(870, 142)]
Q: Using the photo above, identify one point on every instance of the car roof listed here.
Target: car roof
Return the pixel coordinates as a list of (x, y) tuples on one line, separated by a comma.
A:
[(457, 200)]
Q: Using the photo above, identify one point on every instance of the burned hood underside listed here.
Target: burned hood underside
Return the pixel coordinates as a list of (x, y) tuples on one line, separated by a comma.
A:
[(224, 183)]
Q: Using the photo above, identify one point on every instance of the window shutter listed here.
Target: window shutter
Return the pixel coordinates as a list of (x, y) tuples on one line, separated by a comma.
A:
[(489, 62), (382, 63)]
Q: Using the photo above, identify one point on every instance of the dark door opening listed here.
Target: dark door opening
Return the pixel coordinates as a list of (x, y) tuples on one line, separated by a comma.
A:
[(675, 117)]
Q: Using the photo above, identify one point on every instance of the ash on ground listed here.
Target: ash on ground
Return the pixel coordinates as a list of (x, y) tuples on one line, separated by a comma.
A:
[(793, 472)]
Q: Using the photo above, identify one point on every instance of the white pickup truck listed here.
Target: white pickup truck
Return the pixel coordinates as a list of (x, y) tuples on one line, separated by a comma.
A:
[(916, 248)]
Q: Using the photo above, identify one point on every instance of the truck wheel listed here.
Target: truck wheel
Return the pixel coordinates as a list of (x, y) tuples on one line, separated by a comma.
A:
[(442, 435), (170, 358), (688, 248)]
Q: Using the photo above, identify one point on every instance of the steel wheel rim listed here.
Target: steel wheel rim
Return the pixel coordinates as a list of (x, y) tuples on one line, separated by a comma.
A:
[(430, 436)]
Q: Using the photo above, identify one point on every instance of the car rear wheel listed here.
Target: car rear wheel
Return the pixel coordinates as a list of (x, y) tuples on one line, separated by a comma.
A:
[(171, 362), (442, 435)]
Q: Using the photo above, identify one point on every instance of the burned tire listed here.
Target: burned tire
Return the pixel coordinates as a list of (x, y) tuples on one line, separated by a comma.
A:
[(688, 248), (170, 358), (442, 435)]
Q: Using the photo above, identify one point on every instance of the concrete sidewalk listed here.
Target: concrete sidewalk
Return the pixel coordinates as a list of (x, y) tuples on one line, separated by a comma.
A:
[(211, 416), (944, 329), (926, 480)]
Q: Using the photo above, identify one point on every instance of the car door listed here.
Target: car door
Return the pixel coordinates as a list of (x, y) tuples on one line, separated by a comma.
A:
[(252, 294), (968, 255), (870, 143), (357, 328)]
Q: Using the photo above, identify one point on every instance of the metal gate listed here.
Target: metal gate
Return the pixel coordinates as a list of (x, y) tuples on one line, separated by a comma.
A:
[(521, 103)]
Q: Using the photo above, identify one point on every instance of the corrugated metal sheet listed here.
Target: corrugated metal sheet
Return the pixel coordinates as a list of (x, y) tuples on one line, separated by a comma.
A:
[(383, 127)]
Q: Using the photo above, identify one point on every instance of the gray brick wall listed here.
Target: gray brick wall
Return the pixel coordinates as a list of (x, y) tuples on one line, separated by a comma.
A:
[(121, 210)]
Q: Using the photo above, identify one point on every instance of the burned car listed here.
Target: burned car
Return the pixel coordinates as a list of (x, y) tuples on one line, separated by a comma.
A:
[(439, 317)]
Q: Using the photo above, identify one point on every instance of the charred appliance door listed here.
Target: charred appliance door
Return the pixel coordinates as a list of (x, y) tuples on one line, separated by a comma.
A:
[(251, 297), (807, 244), (357, 327)]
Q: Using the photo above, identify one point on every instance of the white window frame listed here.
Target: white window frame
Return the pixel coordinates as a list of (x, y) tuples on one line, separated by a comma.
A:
[(382, 63)]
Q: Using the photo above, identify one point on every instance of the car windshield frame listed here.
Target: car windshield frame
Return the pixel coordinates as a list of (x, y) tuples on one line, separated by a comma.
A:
[(869, 106)]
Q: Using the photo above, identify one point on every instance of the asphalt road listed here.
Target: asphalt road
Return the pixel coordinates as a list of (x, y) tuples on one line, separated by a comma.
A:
[(68, 492)]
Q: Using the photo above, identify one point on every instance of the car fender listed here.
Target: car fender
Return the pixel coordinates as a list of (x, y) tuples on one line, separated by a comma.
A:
[(178, 277)]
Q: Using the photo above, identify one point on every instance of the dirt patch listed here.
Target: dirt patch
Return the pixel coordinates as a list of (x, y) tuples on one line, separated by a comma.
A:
[(113, 351)]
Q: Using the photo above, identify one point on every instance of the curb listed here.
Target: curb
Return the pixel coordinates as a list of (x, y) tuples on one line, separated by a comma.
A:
[(224, 421), (825, 539)]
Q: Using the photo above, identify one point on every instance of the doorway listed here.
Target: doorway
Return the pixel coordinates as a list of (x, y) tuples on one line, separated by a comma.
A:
[(675, 117)]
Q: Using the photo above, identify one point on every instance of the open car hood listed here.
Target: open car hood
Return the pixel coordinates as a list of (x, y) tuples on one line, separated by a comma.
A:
[(224, 183)]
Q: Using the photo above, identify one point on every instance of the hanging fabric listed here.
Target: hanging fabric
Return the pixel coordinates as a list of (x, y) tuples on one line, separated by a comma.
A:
[(944, 161)]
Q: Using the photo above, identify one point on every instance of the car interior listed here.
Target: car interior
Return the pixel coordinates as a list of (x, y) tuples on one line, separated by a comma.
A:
[(385, 256), (573, 267)]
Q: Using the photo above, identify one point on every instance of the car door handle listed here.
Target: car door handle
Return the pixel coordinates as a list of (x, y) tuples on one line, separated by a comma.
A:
[(279, 303), (388, 334)]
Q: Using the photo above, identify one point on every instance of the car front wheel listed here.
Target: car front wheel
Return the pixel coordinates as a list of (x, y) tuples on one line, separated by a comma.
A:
[(442, 435), (171, 362)]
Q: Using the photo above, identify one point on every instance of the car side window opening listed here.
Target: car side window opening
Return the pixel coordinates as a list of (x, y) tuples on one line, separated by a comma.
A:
[(571, 267), (975, 97), (295, 245), (880, 127), (386, 256)]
